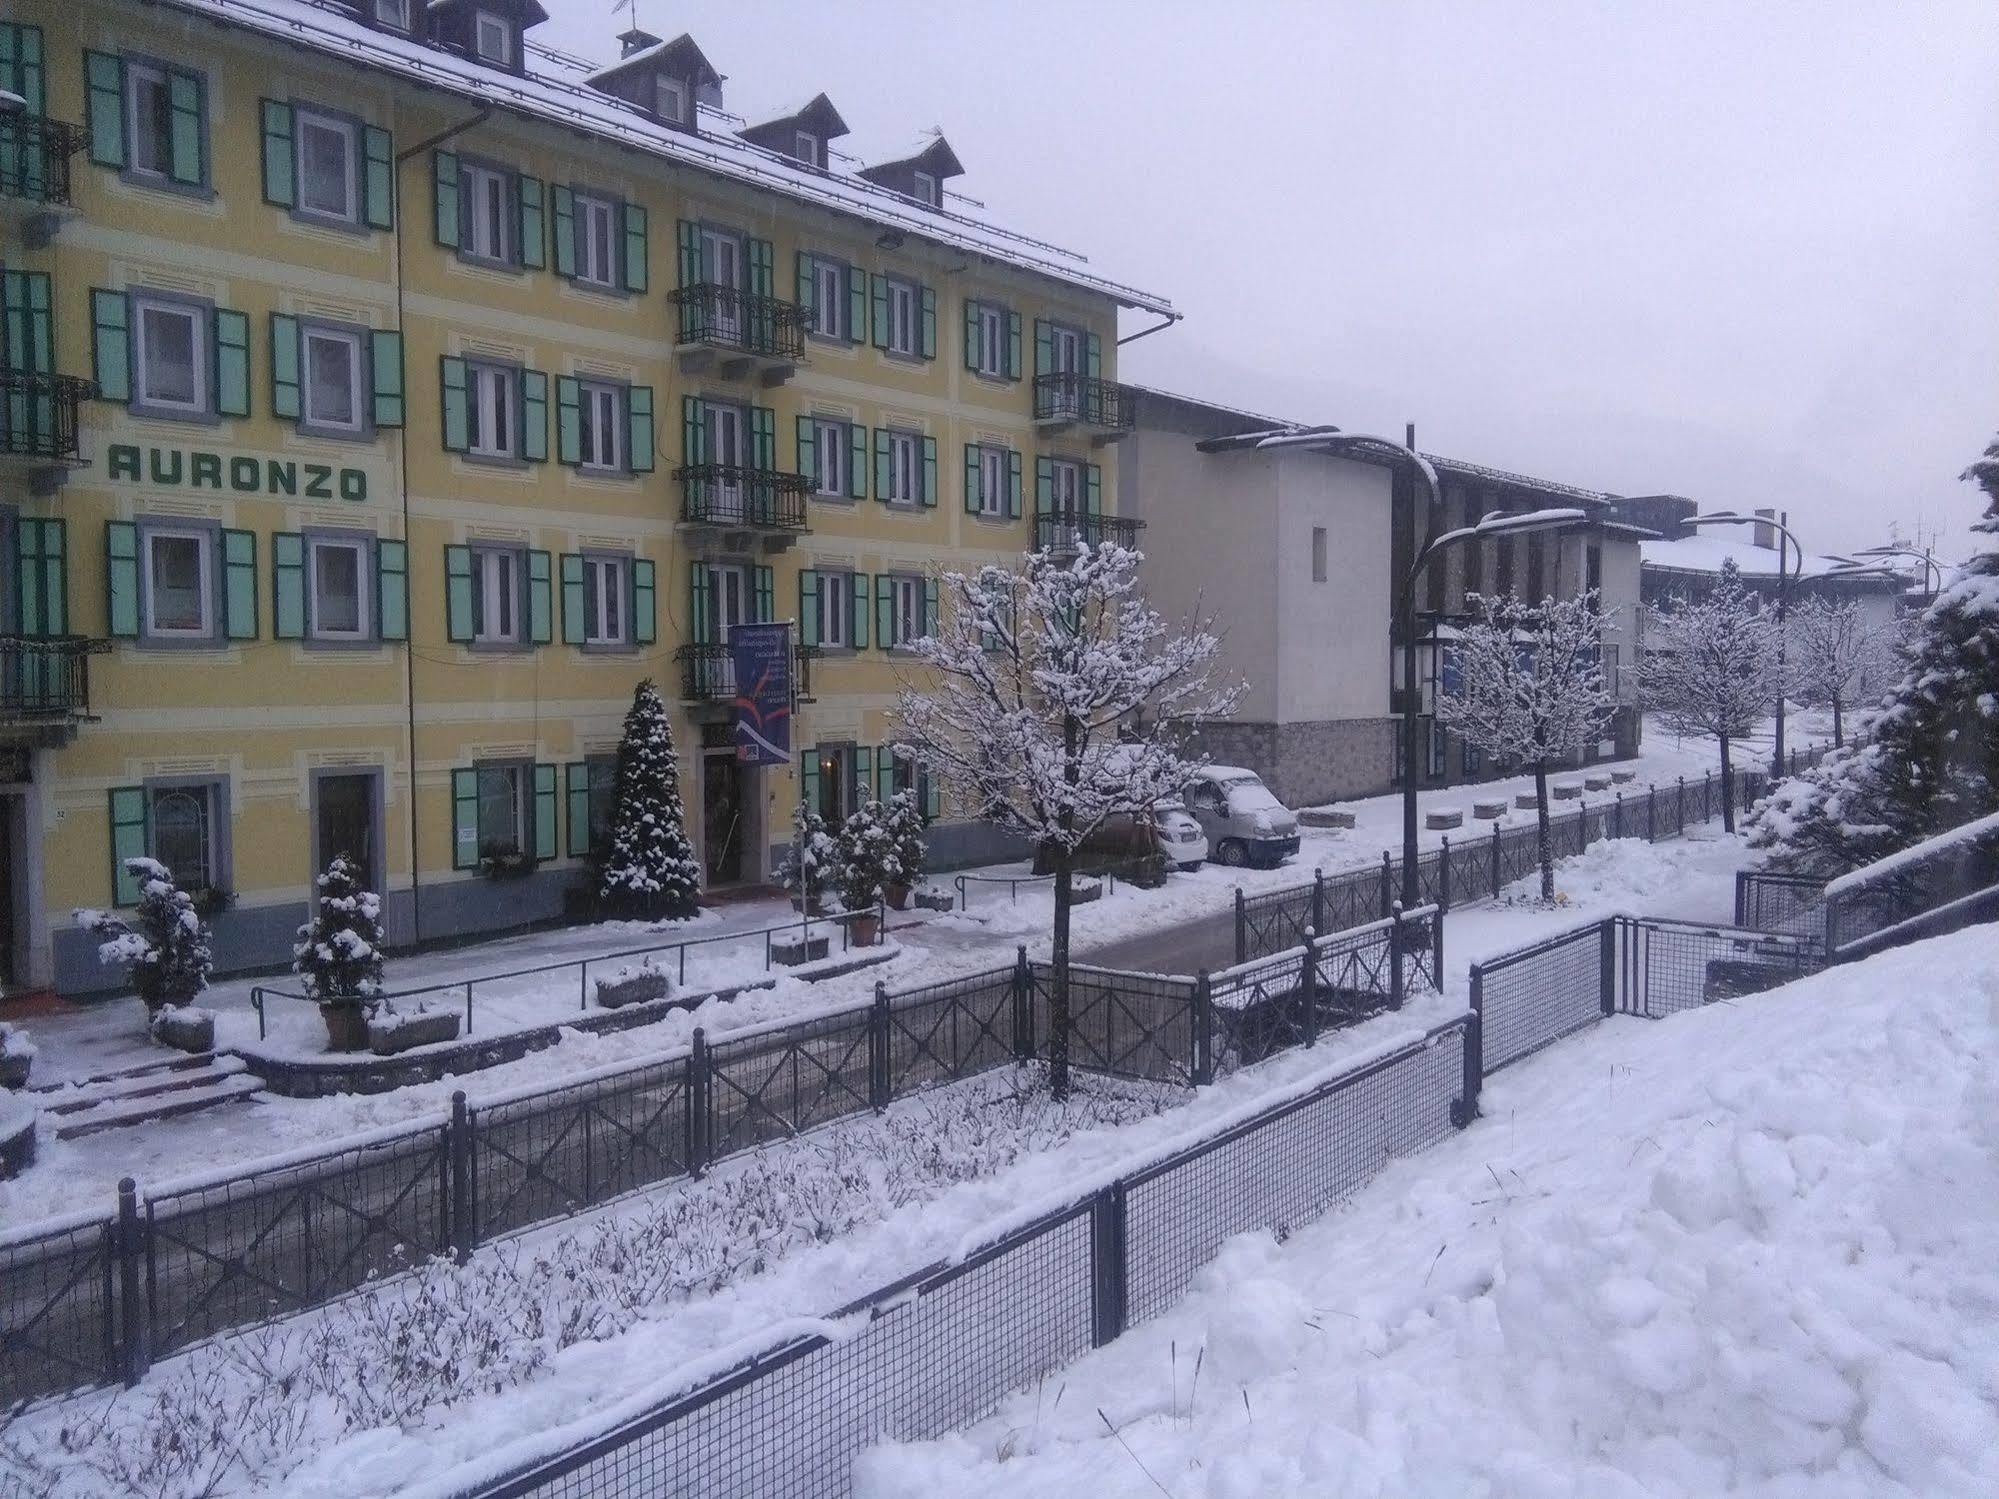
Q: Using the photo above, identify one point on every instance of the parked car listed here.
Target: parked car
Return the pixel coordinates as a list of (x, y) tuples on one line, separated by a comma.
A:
[(1180, 836), (1245, 824)]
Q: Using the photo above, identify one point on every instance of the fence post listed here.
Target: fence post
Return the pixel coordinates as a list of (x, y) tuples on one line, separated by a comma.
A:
[(1617, 817), (1395, 957), (878, 1049), (458, 1171), (1741, 897), (1437, 951), (1308, 997), (1606, 965), (1387, 885), (697, 1105), (1464, 1108), (135, 1316), (1318, 900), (1241, 929), (1444, 876), (1204, 1028), (1651, 814), (1680, 822), (1023, 1006), (1494, 892), (1108, 1306)]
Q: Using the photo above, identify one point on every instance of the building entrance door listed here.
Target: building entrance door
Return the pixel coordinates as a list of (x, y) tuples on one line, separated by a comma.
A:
[(344, 823), (724, 809), (12, 897)]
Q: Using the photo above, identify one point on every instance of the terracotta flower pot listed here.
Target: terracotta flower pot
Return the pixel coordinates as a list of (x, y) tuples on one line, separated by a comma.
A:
[(863, 930), (346, 1026), (897, 897)]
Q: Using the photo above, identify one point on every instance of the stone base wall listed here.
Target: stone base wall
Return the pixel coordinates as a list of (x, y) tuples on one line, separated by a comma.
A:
[(1305, 764)]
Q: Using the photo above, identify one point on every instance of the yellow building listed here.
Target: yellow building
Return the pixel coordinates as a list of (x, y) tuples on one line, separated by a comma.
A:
[(386, 395)]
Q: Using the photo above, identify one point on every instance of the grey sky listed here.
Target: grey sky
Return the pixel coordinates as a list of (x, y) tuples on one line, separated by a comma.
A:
[(1743, 251)]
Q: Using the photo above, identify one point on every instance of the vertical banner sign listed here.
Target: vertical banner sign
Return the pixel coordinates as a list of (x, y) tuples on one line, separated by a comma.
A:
[(761, 655)]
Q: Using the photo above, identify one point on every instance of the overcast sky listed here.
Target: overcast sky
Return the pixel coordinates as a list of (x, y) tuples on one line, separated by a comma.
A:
[(1743, 251)]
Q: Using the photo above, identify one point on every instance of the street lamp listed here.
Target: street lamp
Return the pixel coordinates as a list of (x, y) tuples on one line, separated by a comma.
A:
[(1780, 526), (1494, 524), (1925, 557)]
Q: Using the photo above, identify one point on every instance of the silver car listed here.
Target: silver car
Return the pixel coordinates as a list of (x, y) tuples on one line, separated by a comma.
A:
[(1245, 824), (1180, 836)]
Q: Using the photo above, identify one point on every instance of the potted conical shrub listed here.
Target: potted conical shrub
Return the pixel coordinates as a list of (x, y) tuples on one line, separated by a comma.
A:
[(339, 955)]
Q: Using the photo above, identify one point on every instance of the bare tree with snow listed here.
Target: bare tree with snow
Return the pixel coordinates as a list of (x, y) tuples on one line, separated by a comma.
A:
[(1835, 659), (1710, 668), (1056, 700), (1531, 692)]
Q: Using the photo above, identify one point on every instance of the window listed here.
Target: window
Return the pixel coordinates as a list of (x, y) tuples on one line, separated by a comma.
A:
[(602, 426), (836, 779), (728, 601), (829, 299), (339, 581), (902, 312), (494, 412), (172, 357), (905, 617), (1593, 577), (489, 213), (327, 186), (604, 600), (831, 456), (493, 39), (992, 326), (393, 13), (905, 469), (670, 96), (992, 480), (180, 591), (505, 813), (601, 789), (1434, 752), (597, 241), (925, 184), (182, 819), (835, 608), (808, 148), (496, 597), (1318, 554), (150, 108), (332, 373)]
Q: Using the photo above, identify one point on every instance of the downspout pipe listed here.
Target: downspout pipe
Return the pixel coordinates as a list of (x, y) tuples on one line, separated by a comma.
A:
[(1132, 338)]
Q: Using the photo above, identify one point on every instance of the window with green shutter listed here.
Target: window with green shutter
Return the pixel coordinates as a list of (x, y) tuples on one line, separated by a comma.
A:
[(562, 210), (230, 332), (385, 371), (532, 244), (808, 606), (287, 586), (698, 605), (392, 589), (121, 580), (638, 426), (464, 818), (459, 624), (446, 187), (457, 401), (645, 602), (927, 332), (41, 579), (378, 177), (104, 107), (638, 249), (693, 431), (857, 611), (280, 158), (540, 598), (285, 389), (929, 494), (534, 416), (573, 620), (128, 841), (568, 420), (765, 596), (239, 585), (111, 344), (544, 813)]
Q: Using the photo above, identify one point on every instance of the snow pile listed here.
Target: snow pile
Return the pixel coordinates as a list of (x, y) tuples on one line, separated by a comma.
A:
[(1616, 874), (1747, 1250)]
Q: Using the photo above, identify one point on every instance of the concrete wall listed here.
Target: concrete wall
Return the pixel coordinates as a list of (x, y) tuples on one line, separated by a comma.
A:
[(1332, 636)]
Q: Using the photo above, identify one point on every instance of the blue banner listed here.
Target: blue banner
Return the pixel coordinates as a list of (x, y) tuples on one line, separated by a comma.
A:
[(761, 656)]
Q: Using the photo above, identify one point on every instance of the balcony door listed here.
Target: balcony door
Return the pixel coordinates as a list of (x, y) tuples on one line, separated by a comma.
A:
[(729, 448), (722, 268), (1065, 493), (1065, 349), (728, 601)]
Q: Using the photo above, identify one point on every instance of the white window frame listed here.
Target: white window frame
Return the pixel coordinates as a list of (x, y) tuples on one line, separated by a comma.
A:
[(729, 581), (204, 543), (393, 13), (606, 600), (496, 575), (203, 794), (1068, 497), (829, 298), (601, 426), (306, 120), (600, 214), (836, 609), (905, 610), (520, 792), (904, 307), (357, 384), (363, 551), (495, 394), (905, 468), (485, 24), (992, 339), (198, 317), (668, 88), (808, 148), (496, 183), (139, 126), (925, 184), (832, 455), (993, 468)]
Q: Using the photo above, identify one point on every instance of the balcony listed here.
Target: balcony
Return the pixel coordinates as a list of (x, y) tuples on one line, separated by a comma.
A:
[(39, 431), (1067, 401), (34, 171), (746, 509), (1061, 533), (738, 335), (45, 687), (708, 676)]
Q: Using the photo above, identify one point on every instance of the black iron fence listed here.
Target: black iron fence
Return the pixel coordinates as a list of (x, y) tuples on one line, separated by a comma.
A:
[(1066, 396), (38, 414), (1058, 533), (708, 672), (725, 318), (729, 494), (34, 157), (1772, 901), (46, 679)]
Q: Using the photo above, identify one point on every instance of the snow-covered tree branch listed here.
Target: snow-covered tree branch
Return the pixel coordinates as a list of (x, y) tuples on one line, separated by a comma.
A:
[(1835, 659)]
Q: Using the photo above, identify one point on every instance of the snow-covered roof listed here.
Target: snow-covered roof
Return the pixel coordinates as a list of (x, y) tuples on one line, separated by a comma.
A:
[(556, 88), (1459, 468), (687, 59), (1705, 553), (929, 149)]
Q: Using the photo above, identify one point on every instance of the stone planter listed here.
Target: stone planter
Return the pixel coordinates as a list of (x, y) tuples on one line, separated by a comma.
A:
[(935, 900), (791, 951), (17, 1138), (185, 1029), (1086, 891), (1623, 777), (346, 1025), (15, 1067), (815, 907), (1441, 821), (1566, 791), (389, 1034), (1488, 811), (1525, 801), (633, 986), (1597, 783), (1325, 817)]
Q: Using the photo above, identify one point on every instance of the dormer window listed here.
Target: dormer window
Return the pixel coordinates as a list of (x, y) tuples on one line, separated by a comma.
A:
[(394, 14), (493, 39), (926, 189), (672, 100), (808, 148)]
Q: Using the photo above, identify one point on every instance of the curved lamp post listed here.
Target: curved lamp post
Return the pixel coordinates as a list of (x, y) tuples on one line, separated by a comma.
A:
[(1925, 556)]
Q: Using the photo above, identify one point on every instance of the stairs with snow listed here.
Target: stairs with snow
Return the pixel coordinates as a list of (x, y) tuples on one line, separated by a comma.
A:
[(151, 1090)]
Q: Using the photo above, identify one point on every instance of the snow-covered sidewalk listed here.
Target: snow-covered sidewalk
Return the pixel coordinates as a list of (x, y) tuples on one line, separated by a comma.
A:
[(1745, 1250)]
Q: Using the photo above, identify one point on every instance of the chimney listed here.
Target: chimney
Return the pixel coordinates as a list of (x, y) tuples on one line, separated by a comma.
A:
[(1766, 535), (636, 40)]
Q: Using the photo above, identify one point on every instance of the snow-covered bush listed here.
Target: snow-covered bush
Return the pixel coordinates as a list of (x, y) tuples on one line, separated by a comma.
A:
[(339, 952), (812, 863), (865, 860), (649, 869), (17, 1056), (183, 1027), (163, 945), (905, 830)]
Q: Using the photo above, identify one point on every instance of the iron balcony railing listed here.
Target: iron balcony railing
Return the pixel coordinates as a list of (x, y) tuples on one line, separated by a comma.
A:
[(727, 494), (34, 158), (46, 680), (1070, 397), (38, 414), (737, 321), (708, 673), (1056, 533)]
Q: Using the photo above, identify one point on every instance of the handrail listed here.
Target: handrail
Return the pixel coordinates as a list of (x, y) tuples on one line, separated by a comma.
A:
[(708, 672), (34, 157), (727, 317), (734, 494), (1070, 395), (38, 412)]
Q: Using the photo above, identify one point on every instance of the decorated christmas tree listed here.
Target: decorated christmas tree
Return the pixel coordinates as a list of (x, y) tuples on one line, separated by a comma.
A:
[(650, 869), (339, 951), (164, 943)]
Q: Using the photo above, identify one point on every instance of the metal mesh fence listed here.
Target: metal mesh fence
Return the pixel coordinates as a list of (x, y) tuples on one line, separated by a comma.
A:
[(56, 1308), (1667, 966), (953, 1030), (1769, 901), (779, 1084), (1528, 999), (1137, 1025)]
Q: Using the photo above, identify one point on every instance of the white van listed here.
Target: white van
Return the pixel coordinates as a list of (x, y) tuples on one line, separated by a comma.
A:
[(1245, 824)]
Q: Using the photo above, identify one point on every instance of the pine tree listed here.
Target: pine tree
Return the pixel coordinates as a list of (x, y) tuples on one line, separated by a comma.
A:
[(650, 870), (165, 943), (1928, 760), (339, 951)]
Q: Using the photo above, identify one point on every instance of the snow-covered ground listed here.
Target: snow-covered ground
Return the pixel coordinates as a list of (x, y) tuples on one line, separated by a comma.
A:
[(1745, 1250)]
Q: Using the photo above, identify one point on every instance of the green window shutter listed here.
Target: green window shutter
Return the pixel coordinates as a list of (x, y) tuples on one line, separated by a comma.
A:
[(638, 428), (972, 353), (930, 473), (1013, 346), (111, 344), (765, 596), (933, 800), (645, 602), (285, 397), (763, 261), (857, 461), (697, 603), (568, 420), (808, 777), (121, 579), (974, 492), (42, 605), (878, 317), (857, 611), (857, 304), (544, 812), (1093, 355), (540, 602), (884, 610), (1044, 486), (930, 606), (128, 841), (104, 107), (864, 773), (693, 432), (881, 464), (280, 155), (563, 203), (229, 333), (457, 404), (1093, 489), (803, 291), (808, 606), (638, 249), (385, 371), (533, 240), (572, 599), (444, 180), (884, 775), (534, 416), (576, 796), (464, 819), (808, 448), (690, 256), (458, 593), (287, 586), (239, 585), (392, 590), (763, 438), (187, 129), (1012, 485), (378, 178), (1044, 347), (21, 64), (927, 331)]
